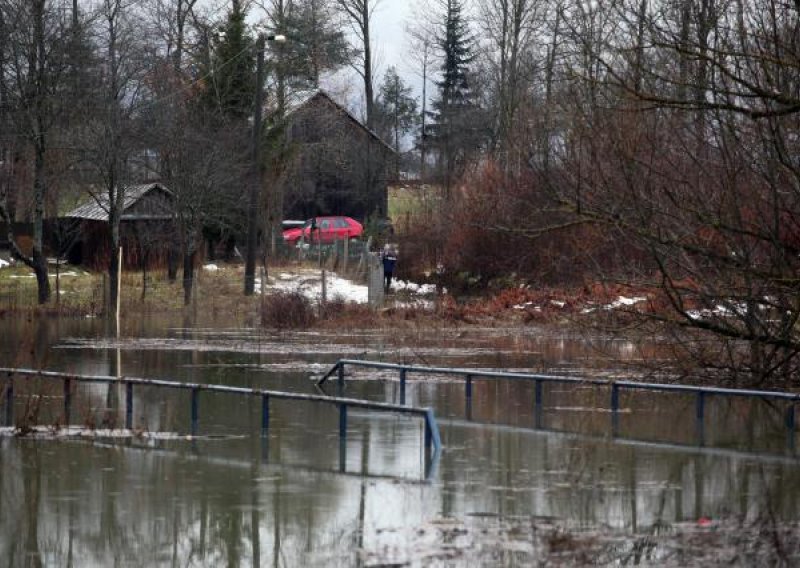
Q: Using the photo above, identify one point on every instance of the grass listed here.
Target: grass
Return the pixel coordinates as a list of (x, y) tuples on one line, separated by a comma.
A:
[(409, 204), (81, 292)]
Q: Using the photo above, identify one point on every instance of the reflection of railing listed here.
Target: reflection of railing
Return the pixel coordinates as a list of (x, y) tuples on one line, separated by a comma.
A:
[(432, 437), (701, 393)]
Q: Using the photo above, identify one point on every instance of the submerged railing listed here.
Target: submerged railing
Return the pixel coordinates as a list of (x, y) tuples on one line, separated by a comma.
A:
[(701, 393), (433, 443)]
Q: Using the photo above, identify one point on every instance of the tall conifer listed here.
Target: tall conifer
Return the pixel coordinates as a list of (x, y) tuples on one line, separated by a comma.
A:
[(455, 131)]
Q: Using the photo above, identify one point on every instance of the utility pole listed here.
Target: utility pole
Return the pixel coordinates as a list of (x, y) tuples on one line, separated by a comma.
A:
[(255, 185)]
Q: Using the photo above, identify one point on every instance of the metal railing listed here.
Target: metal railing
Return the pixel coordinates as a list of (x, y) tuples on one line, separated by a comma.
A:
[(432, 437), (615, 387)]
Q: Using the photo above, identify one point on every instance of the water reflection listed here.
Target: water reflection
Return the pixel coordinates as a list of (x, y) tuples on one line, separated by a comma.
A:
[(298, 496)]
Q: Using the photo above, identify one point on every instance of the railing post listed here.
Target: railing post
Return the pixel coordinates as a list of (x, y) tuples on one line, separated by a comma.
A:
[(10, 402), (790, 426), (402, 386), (67, 401), (195, 409), (468, 399), (340, 377), (700, 411), (342, 421), (342, 438), (264, 414), (537, 401), (428, 436), (432, 436), (614, 409), (129, 406)]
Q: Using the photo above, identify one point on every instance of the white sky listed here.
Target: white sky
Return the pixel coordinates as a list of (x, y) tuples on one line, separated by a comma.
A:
[(390, 47)]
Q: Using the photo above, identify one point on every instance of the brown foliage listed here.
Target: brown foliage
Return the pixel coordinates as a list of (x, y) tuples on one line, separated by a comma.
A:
[(287, 310), (502, 224)]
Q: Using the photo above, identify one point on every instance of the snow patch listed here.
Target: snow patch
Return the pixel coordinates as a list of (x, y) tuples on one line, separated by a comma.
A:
[(210, 267), (413, 287), (310, 286), (623, 301)]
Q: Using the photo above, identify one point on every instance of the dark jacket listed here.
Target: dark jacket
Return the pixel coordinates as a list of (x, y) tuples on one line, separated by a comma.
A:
[(389, 260)]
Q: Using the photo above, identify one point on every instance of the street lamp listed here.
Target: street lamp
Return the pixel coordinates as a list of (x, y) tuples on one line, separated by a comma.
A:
[(255, 185)]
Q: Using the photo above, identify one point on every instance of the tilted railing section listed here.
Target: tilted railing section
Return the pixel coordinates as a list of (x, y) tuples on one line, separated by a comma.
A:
[(701, 393), (432, 437)]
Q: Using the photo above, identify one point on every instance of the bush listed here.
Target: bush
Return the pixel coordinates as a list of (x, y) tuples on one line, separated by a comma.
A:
[(501, 224), (287, 310)]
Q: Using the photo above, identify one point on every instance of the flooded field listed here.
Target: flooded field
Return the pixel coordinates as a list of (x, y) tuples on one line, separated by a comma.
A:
[(507, 489)]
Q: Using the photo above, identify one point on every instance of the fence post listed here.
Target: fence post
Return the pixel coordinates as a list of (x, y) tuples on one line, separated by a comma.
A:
[(264, 414), (324, 288), (67, 401), (700, 410), (10, 401), (129, 406), (195, 409), (402, 386), (537, 398), (345, 256), (790, 427), (614, 409)]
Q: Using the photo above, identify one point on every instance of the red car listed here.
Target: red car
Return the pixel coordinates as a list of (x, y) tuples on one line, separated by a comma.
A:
[(324, 230)]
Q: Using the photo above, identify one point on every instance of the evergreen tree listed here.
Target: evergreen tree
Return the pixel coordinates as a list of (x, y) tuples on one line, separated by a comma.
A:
[(397, 110), (456, 130), (231, 85)]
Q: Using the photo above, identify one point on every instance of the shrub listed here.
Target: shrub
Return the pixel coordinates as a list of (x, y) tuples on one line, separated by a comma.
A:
[(287, 310)]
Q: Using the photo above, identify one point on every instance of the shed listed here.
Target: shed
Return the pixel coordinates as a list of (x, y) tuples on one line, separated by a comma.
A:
[(148, 227)]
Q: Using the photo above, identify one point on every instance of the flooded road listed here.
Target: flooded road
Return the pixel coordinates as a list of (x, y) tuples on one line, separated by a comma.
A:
[(502, 493)]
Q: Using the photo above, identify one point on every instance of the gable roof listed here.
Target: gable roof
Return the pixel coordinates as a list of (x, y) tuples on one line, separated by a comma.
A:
[(97, 208), (305, 98)]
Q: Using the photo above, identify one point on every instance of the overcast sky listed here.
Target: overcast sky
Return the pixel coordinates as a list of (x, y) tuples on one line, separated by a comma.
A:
[(390, 48)]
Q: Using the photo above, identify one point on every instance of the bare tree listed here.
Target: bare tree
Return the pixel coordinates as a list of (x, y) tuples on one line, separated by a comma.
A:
[(688, 146), (359, 13), (510, 27), (107, 138), (422, 41), (33, 68)]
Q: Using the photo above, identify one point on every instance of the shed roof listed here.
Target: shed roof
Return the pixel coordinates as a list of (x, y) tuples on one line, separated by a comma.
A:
[(97, 208)]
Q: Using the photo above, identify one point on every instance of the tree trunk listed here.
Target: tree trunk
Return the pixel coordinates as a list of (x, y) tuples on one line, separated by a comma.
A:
[(188, 276), (369, 94), (113, 276), (38, 260)]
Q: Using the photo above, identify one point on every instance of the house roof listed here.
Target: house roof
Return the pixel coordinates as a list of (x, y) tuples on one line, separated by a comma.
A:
[(96, 209), (304, 98)]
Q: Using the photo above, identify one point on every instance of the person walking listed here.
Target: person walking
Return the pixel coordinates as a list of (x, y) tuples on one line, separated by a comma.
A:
[(389, 258)]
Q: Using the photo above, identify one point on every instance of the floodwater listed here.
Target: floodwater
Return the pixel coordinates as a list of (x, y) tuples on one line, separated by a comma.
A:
[(506, 490)]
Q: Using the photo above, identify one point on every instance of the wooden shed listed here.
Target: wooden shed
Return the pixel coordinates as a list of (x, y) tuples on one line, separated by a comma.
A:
[(148, 228)]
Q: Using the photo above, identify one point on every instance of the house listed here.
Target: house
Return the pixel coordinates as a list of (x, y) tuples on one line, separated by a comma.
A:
[(147, 226), (334, 165)]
